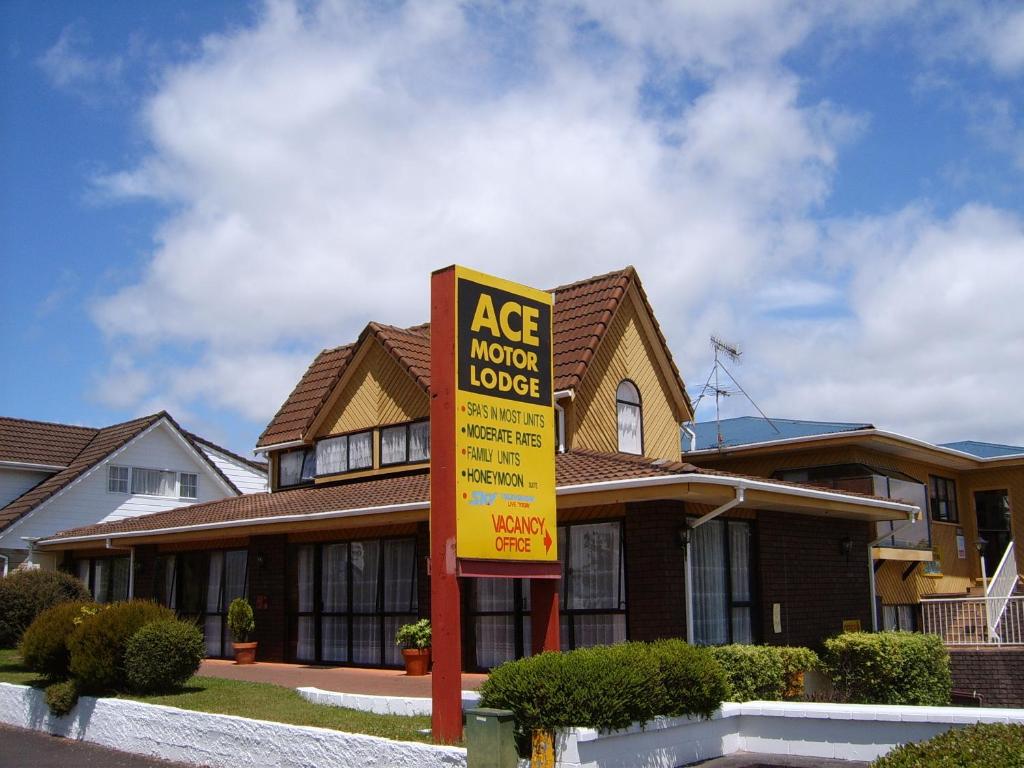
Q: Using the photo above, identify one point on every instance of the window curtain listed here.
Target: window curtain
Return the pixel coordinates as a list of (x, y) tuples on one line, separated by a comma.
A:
[(213, 624), (708, 573), (366, 640), (306, 648), (235, 575), (154, 482), (82, 569), (419, 441), (360, 451), (331, 455), (392, 445), (597, 582), (308, 464), (120, 568), (101, 580), (739, 566), (495, 635), (165, 579), (290, 468), (629, 428)]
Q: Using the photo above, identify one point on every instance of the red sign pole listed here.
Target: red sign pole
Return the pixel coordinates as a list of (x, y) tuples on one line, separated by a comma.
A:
[(445, 604)]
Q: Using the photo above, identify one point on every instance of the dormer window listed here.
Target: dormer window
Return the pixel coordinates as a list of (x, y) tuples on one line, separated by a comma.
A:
[(297, 467), (627, 403), (344, 453), (405, 443)]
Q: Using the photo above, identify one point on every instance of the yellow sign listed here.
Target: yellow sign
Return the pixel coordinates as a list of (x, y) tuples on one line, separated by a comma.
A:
[(504, 421), (851, 625)]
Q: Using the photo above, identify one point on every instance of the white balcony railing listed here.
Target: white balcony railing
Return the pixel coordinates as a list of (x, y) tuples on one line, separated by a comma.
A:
[(975, 620)]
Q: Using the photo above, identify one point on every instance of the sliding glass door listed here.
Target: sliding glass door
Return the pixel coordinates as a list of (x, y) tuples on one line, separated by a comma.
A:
[(721, 581), (201, 585)]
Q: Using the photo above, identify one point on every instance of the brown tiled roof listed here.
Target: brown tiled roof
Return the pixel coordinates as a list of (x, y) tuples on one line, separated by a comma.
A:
[(302, 405), (259, 466), (581, 315), (42, 442), (573, 468), (104, 442)]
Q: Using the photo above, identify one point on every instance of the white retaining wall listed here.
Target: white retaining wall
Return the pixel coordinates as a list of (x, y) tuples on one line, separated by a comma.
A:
[(219, 741), (842, 731), (382, 705)]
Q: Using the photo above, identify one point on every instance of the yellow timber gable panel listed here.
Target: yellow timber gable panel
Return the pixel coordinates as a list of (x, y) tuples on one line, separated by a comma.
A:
[(627, 352), (376, 391)]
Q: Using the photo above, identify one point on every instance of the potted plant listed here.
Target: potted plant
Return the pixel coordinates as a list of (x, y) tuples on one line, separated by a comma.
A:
[(415, 641), (241, 625)]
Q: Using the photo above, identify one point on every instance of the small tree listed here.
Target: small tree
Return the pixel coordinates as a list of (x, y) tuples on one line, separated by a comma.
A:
[(415, 635), (240, 620)]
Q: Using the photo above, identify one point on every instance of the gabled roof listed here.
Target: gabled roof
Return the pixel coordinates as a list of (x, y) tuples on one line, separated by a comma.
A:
[(103, 442), (576, 471), (581, 316), (259, 466), (748, 430), (984, 450), (42, 442)]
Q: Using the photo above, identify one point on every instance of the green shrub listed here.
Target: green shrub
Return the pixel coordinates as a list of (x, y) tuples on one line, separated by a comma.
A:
[(98, 644), (414, 635), (44, 646), (606, 687), (163, 655), (694, 681), (26, 594), (985, 745), (240, 620), (62, 697), (763, 672), (795, 662), (889, 668)]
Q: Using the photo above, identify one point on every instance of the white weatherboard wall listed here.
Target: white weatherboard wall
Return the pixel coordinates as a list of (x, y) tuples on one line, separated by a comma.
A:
[(219, 741), (88, 501), (245, 478), (841, 731), (14, 482)]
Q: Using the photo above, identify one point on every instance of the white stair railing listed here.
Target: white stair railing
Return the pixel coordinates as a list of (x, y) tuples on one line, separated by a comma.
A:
[(964, 620), (1001, 588)]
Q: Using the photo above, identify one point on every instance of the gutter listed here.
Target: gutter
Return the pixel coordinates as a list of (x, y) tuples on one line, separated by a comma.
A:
[(277, 446), (359, 512), (30, 466)]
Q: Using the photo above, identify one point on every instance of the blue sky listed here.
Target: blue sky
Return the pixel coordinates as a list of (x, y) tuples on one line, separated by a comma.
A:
[(196, 197)]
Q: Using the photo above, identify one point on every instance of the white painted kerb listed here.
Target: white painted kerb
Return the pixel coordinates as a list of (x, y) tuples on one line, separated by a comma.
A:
[(842, 731), (382, 705), (219, 741)]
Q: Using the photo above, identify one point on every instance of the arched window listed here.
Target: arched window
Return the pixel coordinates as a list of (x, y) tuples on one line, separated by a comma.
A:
[(631, 428)]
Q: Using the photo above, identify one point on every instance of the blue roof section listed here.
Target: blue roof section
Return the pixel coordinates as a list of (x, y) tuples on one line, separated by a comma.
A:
[(984, 450), (745, 430)]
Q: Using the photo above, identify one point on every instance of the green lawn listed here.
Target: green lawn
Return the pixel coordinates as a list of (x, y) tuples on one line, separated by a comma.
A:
[(256, 700)]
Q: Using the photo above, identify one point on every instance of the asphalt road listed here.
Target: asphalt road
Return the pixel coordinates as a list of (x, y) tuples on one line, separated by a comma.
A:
[(30, 749)]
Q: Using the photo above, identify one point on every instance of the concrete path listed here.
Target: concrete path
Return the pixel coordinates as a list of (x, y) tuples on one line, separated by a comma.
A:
[(20, 748), (375, 682)]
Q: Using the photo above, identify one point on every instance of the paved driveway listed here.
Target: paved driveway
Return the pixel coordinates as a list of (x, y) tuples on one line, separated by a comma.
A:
[(30, 749)]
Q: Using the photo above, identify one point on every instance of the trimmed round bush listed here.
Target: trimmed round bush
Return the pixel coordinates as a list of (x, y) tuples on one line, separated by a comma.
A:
[(694, 681), (26, 594), (754, 672), (985, 745), (44, 646), (889, 668), (163, 655), (62, 697), (98, 644)]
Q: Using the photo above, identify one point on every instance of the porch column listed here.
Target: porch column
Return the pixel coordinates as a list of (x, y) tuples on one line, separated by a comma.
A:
[(544, 619)]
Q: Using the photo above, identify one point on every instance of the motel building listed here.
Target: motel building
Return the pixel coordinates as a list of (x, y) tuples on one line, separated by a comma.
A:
[(336, 557)]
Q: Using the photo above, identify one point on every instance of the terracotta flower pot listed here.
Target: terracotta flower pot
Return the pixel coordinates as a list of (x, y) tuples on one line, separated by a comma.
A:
[(417, 661), (245, 653)]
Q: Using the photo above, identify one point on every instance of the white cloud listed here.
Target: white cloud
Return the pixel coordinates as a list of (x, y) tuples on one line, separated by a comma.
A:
[(320, 163), (70, 67)]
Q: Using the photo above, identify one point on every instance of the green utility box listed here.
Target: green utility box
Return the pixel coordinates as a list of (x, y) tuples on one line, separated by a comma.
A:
[(490, 739)]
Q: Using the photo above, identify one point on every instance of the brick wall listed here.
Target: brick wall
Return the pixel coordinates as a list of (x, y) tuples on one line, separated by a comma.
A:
[(268, 595), (655, 568), (996, 674), (422, 578), (802, 568)]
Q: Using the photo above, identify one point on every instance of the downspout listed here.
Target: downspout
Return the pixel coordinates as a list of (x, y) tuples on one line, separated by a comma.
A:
[(871, 564), (692, 435), (740, 496)]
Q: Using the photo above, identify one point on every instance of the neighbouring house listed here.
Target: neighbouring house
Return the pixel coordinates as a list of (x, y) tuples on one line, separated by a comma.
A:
[(53, 476), (335, 557), (973, 493)]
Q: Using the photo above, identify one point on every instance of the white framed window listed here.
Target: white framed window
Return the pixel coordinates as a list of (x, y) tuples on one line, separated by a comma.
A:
[(154, 482), (118, 479), (188, 486), (630, 419)]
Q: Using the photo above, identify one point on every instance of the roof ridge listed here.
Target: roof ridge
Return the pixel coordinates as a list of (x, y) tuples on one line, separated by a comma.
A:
[(49, 423), (628, 271)]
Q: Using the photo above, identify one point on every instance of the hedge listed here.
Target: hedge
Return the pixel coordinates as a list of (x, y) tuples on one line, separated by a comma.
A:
[(606, 687), (44, 646), (764, 672), (98, 644), (889, 668), (26, 594), (163, 655), (985, 745), (62, 697)]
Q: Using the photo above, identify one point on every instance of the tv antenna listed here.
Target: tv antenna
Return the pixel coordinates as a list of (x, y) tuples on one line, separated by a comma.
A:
[(724, 349)]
